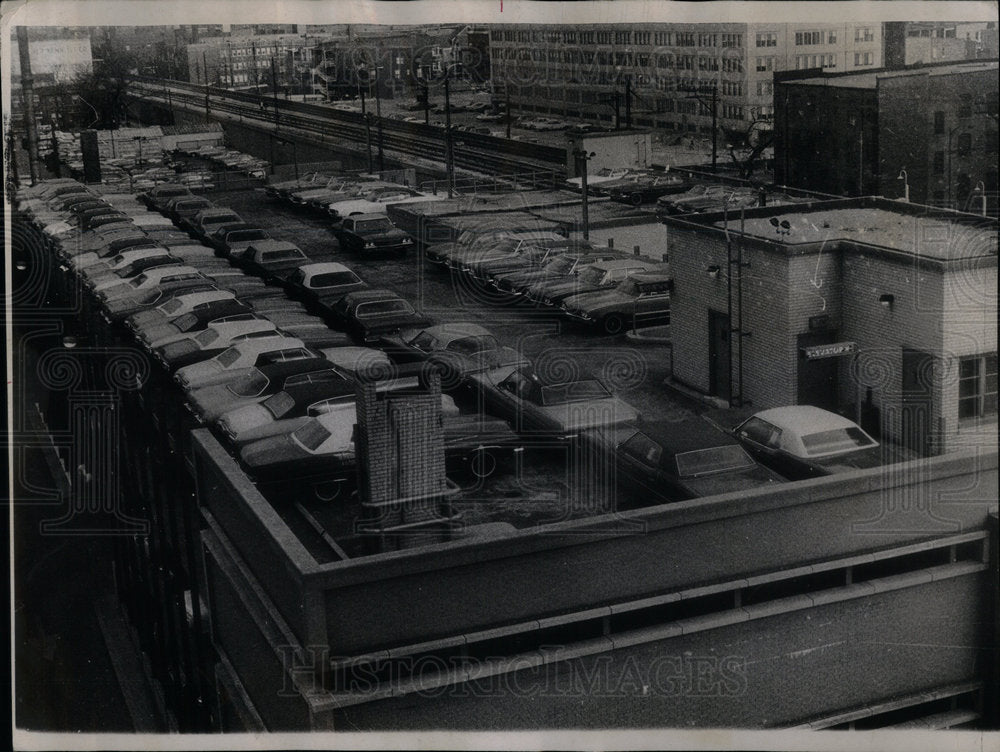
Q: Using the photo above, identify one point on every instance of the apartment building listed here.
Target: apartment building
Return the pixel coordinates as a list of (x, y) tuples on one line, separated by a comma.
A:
[(669, 76), (245, 62)]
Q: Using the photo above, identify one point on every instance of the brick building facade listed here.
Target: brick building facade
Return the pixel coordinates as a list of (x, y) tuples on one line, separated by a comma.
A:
[(865, 306), (855, 134)]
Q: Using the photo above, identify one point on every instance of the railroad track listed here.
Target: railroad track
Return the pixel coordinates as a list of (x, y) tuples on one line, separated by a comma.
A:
[(475, 152)]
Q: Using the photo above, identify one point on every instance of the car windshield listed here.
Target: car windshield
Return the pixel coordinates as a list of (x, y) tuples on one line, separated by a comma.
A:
[(311, 435), (382, 307), (279, 404), (172, 306), (227, 357), (219, 219), (591, 276), (373, 225), (574, 391), (560, 265), (628, 287), (238, 236), (207, 337), (334, 279), (474, 344), (282, 255), (138, 281), (714, 460), (186, 322), (836, 440), (251, 385)]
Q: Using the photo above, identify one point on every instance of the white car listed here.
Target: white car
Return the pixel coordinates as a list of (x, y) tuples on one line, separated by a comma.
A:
[(604, 175), (216, 337), (239, 359), (147, 281), (93, 266), (376, 200), (174, 308)]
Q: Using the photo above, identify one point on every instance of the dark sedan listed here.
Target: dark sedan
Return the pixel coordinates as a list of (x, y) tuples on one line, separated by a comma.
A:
[(561, 267), (271, 260), (687, 459), (370, 233), (369, 314), (802, 441), (456, 350), (231, 240), (648, 190), (322, 284)]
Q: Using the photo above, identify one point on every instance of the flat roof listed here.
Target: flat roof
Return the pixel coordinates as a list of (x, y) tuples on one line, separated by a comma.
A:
[(869, 79), (936, 237)]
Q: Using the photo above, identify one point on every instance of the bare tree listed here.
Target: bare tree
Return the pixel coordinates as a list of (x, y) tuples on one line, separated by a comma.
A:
[(747, 145)]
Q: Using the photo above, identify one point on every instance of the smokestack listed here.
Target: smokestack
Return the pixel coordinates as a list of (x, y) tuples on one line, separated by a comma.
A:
[(28, 97)]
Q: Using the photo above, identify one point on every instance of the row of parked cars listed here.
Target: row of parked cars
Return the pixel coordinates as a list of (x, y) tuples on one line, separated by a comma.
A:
[(277, 384), (231, 160), (604, 289)]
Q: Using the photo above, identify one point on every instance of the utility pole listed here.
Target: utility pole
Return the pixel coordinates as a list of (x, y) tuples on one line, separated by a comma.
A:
[(628, 102), (378, 120), (449, 147), (427, 105), (274, 88), (506, 96), (581, 165), (618, 111), (715, 133), (28, 98), (204, 67), (368, 130)]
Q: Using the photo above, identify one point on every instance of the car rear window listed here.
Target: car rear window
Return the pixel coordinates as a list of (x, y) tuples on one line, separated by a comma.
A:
[(373, 225), (334, 279), (279, 404), (220, 219), (837, 440), (238, 236), (714, 460), (228, 357), (206, 337), (381, 307), (251, 385), (574, 391), (311, 435), (185, 322), (282, 255)]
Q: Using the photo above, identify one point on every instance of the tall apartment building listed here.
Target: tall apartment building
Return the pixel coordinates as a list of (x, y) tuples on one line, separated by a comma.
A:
[(582, 73), (245, 62)]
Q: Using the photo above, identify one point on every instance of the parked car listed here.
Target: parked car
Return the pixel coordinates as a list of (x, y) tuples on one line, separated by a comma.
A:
[(211, 341), (127, 269), (376, 200), (687, 459), (117, 310), (561, 267), (455, 349), (154, 278), (238, 359), (645, 191), (158, 196), (271, 260), (207, 314), (91, 265), (369, 314), (604, 175), (487, 247), (367, 233), (322, 448), (473, 241), (598, 276), (207, 403), (674, 203), (322, 284), (182, 207), (178, 305), (524, 256), (205, 222), (230, 240), (305, 182), (802, 441), (642, 299), (553, 410)]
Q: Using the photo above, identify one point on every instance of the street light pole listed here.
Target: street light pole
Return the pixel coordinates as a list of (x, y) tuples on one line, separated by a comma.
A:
[(628, 102), (449, 146), (581, 162), (378, 118), (368, 130)]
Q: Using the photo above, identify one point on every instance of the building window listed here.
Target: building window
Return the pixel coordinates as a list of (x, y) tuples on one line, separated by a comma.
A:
[(938, 122), (938, 163), (732, 40), (964, 146), (642, 37), (663, 38), (977, 386), (767, 39), (765, 88), (829, 61), (863, 58), (732, 111), (864, 34), (765, 64), (831, 38), (808, 37), (965, 110), (707, 40), (732, 88), (732, 65), (685, 39), (604, 37), (623, 37)]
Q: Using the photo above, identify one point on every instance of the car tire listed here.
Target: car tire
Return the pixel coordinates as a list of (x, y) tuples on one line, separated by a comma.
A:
[(636, 199), (613, 324)]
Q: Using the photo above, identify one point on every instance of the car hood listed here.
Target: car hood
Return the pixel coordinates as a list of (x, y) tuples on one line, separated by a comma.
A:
[(178, 349), (599, 299), (238, 420), (266, 430), (209, 402), (205, 373), (730, 482), (592, 414), (272, 450), (160, 334)]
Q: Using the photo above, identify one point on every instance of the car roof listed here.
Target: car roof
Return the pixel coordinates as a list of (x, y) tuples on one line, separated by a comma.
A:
[(216, 212), (679, 436), (804, 419), (284, 368), (652, 276), (446, 333), (324, 267), (270, 244), (267, 344), (379, 293)]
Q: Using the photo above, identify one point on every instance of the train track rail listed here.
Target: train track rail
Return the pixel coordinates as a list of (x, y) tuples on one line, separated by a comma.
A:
[(475, 152)]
